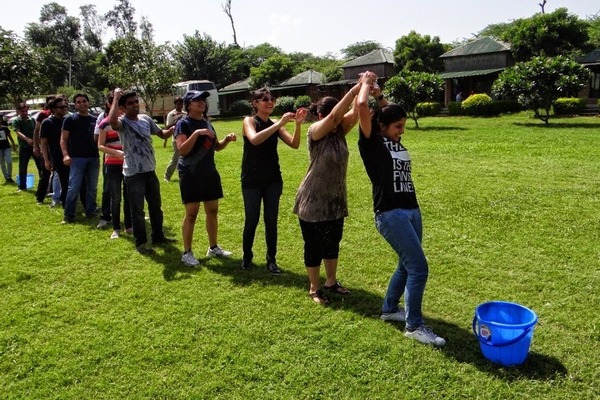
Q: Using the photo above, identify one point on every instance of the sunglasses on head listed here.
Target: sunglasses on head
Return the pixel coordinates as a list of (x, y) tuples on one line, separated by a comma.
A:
[(266, 99)]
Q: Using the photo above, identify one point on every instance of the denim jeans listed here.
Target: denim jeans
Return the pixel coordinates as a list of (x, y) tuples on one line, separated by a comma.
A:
[(105, 206), (253, 198), (140, 186), (403, 230), (6, 162), (115, 180), (82, 168), (56, 188), (25, 154)]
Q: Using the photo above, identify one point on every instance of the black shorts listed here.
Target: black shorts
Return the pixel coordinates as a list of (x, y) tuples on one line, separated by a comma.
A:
[(195, 187), (321, 240)]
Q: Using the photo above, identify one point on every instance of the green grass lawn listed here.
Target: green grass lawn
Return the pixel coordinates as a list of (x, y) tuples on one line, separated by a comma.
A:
[(511, 212)]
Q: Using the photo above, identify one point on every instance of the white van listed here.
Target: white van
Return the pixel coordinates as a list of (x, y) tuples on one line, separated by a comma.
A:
[(164, 104)]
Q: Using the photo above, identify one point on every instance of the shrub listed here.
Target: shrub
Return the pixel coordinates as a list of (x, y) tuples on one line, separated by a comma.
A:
[(240, 107), (478, 105), (430, 109), (302, 101), (284, 104), (568, 106), (455, 108)]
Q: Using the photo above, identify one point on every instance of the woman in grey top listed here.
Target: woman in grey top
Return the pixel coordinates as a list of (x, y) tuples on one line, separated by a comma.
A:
[(321, 201)]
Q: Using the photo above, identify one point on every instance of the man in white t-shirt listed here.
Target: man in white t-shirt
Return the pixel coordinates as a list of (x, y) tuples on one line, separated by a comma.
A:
[(172, 118)]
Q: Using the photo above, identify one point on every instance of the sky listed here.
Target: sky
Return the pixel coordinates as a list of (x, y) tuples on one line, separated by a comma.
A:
[(312, 26)]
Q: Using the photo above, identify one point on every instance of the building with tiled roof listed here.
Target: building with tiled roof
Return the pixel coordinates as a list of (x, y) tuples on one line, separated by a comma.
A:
[(473, 67)]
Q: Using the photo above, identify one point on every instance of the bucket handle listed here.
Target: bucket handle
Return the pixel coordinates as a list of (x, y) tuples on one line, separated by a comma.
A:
[(508, 343)]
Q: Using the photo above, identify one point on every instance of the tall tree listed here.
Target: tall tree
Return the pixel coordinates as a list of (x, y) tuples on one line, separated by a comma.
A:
[(415, 52), (93, 26), (142, 65), (539, 82), (201, 57), (19, 76), (557, 33), (360, 49), (227, 10), (122, 19), (274, 70)]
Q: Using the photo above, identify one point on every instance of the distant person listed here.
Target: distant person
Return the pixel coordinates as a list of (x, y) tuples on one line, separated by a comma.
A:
[(105, 206), (50, 133), (24, 126), (172, 117), (7, 143), (397, 214), (459, 97), (321, 201), (109, 143), (261, 174), (139, 166), (199, 180), (45, 175), (80, 153)]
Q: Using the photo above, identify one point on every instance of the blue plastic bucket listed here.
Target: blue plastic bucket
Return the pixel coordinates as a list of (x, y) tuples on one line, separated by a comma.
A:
[(28, 183), (504, 331)]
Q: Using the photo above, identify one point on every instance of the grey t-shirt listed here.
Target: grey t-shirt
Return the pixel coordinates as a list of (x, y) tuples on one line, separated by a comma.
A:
[(136, 137)]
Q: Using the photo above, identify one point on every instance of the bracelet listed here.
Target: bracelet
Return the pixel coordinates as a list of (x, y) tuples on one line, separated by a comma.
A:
[(379, 98)]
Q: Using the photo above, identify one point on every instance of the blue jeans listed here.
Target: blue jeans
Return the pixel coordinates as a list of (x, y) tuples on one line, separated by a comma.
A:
[(139, 187), (403, 230), (253, 197), (6, 162), (115, 180), (82, 168)]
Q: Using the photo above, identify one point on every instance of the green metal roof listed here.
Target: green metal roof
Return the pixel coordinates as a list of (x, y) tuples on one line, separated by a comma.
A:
[(591, 58), (378, 56), (308, 77), (463, 74), (482, 45), (239, 86)]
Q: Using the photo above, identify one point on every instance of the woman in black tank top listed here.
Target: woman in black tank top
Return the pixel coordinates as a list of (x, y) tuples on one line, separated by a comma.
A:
[(261, 175)]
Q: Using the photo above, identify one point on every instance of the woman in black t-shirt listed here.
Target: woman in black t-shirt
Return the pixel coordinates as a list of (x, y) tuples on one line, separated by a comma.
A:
[(261, 175), (397, 214)]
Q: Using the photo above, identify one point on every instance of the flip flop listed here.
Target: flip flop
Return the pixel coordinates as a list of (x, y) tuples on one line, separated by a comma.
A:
[(337, 288), (319, 297)]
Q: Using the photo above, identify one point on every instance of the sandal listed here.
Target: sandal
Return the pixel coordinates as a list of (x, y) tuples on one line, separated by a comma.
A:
[(319, 297), (337, 288)]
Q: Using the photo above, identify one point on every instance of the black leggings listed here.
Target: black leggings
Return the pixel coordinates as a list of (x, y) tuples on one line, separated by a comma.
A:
[(321, 240)]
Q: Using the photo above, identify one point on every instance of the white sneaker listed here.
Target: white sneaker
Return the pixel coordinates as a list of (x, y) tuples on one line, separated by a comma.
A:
[(116, 233), (188, 259), (398, 316), (424, 334), (218, 252), (102, 224)]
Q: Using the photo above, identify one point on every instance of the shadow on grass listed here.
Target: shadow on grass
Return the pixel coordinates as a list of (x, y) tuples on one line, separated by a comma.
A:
[(436, 128), (558, 125), (463, 346)]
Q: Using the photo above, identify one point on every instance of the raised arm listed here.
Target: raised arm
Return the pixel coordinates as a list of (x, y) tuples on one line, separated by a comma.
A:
[(113, 114)]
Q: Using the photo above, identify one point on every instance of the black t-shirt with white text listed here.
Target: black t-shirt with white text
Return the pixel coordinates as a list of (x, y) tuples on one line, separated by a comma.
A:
[(388, 166)]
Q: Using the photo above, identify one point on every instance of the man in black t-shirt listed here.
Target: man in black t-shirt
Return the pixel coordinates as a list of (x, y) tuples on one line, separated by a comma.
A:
[(80, 153), (7, 144)]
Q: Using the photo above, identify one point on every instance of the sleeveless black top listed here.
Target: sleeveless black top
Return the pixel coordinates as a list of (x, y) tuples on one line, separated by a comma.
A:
[(260, 163)]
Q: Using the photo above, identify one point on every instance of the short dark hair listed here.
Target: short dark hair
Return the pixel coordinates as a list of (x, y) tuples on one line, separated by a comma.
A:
[(178, 99), (126, 95), (21, 105), (49, 98), (85, 96), (56, 100)]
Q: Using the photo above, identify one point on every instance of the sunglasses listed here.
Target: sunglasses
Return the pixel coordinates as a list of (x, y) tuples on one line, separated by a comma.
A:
[(266, 99)]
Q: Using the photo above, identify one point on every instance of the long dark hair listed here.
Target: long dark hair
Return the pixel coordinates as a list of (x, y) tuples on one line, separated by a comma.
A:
[(386, 115)]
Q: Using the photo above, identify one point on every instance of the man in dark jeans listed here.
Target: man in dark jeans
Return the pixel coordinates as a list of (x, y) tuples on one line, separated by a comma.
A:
[(23, 125), (139, 166)]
